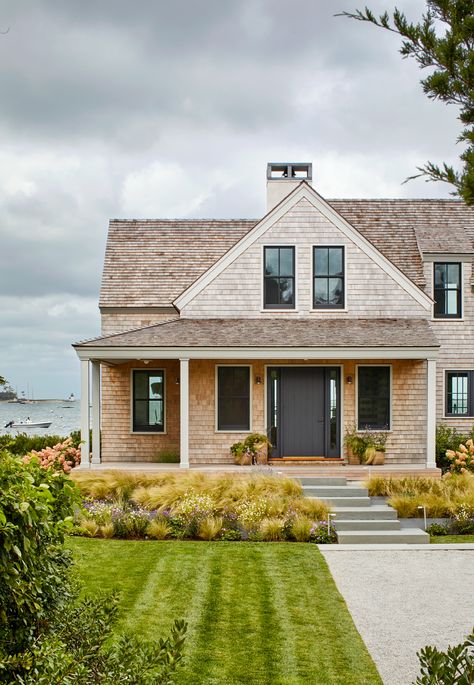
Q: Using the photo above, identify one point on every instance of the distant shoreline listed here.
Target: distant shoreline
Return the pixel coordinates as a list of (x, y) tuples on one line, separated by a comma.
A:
[(51, 399)]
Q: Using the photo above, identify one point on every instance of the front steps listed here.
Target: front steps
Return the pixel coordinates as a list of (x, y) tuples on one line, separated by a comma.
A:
[(356, 520)]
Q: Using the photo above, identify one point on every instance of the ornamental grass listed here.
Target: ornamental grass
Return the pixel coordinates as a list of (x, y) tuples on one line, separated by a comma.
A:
[(441, 496)]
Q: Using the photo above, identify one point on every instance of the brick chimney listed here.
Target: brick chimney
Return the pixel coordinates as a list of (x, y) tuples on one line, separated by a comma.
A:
[(283, 177)]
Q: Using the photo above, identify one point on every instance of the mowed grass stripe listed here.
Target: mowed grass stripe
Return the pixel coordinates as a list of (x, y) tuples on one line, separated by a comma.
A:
[(258, 614)]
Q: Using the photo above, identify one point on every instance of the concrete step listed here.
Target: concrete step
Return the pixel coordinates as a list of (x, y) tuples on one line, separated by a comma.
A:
[(407, 536), (320, 480), (334, 491), (345, 501), (366, 524), (376, 511)]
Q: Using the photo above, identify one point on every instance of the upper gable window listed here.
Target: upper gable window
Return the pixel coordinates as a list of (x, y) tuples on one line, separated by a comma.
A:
[(279, 278), (328, 278), (447, 290)]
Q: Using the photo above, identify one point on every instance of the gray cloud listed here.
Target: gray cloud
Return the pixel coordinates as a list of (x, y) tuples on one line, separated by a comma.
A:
[(151, 108)]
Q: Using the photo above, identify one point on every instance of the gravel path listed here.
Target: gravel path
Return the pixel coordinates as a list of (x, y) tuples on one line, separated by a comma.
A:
[(402, 600)]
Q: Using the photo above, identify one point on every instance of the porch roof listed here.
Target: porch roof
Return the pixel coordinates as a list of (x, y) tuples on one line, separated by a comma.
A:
[(270, 334)]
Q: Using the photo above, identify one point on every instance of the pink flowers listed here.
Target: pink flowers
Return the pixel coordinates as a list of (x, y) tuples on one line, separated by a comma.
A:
[(60, 457), (462, 460)]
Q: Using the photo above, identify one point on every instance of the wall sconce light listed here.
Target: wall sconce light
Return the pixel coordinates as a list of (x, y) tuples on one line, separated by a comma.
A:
[(258, 380), (349, 380)]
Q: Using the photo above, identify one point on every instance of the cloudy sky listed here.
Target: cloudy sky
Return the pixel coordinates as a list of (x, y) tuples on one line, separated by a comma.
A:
[(159, 108)]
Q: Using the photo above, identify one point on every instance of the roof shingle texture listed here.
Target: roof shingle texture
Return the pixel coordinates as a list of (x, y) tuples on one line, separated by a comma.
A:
[(276, 332), (149, 263)]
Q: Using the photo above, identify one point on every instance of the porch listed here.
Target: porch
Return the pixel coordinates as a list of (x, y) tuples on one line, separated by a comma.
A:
[(185, 356)]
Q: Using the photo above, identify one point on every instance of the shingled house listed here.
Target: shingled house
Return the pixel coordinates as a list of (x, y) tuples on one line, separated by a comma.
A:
[(322, 315)]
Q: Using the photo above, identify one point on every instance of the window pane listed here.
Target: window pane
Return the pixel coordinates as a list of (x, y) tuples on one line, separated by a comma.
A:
[(286, 291), (453, 280), (234, 414), (271, 261), (320, 290), (156, 386), (373, 397), (335, 296), (155, 412), (286, 261), (140, 382), (457, 393), (141, 413), (440, 275), (271, 291), (440, 302), (321, 261), (233, 408), (335, 261), (451, 302)]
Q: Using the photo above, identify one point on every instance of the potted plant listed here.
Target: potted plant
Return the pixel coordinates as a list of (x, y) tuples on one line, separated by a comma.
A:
[(253, 450), (366, 447)]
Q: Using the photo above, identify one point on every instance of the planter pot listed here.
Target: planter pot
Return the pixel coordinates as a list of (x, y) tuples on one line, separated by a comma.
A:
[(246, 459), (351, 458), (374, 457), (261, 455)]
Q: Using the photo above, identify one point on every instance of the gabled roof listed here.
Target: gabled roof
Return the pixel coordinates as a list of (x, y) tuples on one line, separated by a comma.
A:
[(150, 263), (272, 332)]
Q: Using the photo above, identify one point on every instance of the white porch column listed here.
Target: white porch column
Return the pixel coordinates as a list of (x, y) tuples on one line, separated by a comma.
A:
[(85, 423), (184, 413), (431, 414), (95, 401)]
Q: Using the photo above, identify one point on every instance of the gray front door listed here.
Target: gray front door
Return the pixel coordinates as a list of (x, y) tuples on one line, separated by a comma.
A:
[(302, 411)]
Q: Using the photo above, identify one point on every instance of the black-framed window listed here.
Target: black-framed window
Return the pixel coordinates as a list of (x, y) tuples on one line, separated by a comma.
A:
[(279, 278), (148, 401), (459, 393), (233, 398), (328, 277), (373, 398), (447, 290)]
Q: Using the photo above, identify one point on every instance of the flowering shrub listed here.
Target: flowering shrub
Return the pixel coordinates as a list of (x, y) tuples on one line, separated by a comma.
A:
[(463, 520), (61, 457), (251, 512), (462, 459), (320, 535)]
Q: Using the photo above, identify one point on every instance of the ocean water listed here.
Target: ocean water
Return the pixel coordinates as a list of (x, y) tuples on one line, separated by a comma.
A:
[(64, 416)]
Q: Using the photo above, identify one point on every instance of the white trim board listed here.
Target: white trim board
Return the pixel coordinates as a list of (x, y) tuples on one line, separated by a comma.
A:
[(307, 192), (124, 354)]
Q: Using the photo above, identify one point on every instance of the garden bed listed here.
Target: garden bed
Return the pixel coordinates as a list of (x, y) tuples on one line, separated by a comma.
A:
[(230, 507)]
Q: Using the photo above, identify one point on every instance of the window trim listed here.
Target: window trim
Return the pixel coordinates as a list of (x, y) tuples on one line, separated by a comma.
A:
[(329, 308), (278, 307), (449, 317), (216, 398), (374, 430), (470, 397), (132, 406)]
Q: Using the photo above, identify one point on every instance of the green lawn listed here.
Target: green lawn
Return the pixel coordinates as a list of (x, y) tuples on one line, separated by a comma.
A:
[(447, 539), (258, 613)]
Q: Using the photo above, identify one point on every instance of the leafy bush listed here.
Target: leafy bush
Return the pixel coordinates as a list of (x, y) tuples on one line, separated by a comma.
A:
[(79, 650), (462, 521), (453, 667), (22, 443), (36, 508), (321, 535), (437, 529), (448, 438)]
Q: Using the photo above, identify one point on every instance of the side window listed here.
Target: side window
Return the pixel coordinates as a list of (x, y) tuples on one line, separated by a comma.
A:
[(148, 401), (328, 278), (447, 290), (373, 398), (279, 278), (459, 396), (233, 398)]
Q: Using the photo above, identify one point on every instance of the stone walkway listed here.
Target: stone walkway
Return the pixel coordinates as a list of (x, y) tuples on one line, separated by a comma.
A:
[(404, 599)]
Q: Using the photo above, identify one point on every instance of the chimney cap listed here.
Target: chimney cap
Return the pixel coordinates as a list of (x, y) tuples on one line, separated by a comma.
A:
[(289, 171)]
